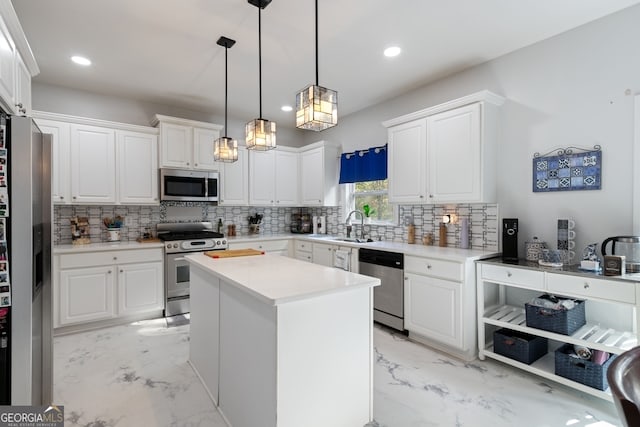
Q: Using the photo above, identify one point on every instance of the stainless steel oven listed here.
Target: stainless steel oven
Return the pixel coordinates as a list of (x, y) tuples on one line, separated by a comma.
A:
[(179, 240), (188, 185)]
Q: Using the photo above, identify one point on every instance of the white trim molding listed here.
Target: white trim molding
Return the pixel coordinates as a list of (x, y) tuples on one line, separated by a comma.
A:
[(636, 166)]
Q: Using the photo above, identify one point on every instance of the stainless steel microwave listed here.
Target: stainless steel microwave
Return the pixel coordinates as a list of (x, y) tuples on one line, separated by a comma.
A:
[(188, 185)]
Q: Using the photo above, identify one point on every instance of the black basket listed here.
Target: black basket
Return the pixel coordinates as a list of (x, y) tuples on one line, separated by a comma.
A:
[(517, 345), (582, 370), (560, 321)]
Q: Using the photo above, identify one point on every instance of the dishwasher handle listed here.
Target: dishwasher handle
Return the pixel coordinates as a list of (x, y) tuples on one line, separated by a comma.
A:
[(384, 258)]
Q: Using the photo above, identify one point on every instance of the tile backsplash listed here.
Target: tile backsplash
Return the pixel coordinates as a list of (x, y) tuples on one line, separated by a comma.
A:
[(483, 220)]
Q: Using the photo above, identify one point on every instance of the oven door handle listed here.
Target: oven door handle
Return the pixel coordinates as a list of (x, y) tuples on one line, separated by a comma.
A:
[(179, 259)]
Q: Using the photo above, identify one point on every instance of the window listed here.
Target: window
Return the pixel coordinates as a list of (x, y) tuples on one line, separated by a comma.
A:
[(374, 194)]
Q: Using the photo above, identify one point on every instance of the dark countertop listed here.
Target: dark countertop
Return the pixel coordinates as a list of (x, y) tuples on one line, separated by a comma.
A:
[(573, 270)]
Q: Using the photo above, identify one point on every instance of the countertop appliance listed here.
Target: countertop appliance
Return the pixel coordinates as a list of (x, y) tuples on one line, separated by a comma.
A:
[(388, 298), (301, 223), (629, 246), (180, 239), (26, 341), (189, 186)]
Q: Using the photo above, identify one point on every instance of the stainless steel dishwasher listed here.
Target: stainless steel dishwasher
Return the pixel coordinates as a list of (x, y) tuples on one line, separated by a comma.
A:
[(388, 298)]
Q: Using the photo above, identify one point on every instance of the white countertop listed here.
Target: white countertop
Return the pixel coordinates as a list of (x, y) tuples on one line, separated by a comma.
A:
[(104, 246), (437, 252), (277, 279)]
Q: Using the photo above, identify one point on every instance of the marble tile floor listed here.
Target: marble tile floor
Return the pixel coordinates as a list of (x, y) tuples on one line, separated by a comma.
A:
[(138, 375)]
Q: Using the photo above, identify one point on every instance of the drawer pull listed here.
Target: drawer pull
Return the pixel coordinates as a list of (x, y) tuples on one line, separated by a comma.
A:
[(428, 266), (509, 274), (115, 258), (586, 285)]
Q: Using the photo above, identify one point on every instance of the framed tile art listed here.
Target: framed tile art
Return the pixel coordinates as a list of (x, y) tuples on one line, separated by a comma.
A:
[(568, 170)]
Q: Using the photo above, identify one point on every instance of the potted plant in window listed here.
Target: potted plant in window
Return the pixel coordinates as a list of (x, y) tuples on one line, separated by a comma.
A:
[(368, 211)]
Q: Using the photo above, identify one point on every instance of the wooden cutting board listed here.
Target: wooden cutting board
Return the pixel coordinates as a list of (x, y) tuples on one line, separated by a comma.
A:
[(233, 253), (149, 240)]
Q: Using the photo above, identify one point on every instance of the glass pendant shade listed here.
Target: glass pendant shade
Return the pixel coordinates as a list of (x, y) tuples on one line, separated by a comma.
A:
[(261, 135), (316, 108), (225, 150)]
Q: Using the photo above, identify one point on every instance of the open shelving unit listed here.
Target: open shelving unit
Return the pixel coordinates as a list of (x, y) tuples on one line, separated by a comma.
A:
[(502, 290)]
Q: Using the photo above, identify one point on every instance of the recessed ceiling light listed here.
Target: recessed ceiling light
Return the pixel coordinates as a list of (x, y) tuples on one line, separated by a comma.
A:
[(81, 60), (286, 108), (392, 51)]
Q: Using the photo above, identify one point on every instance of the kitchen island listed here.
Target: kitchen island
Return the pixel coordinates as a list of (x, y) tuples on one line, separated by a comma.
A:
[(281, 342)]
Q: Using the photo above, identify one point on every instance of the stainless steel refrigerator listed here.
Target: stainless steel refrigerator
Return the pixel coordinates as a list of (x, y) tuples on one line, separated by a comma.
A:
[(25, 210)]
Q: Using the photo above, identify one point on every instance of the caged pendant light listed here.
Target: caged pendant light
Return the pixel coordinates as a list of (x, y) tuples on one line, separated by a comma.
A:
[(261, 133), (316, 106), (225, 149)]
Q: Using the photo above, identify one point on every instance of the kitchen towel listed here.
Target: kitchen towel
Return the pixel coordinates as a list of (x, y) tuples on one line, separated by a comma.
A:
[(341, 259)]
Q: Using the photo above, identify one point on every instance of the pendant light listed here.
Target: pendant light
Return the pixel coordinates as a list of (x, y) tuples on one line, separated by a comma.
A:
[(261, 133), (316, 106), (225, 149)]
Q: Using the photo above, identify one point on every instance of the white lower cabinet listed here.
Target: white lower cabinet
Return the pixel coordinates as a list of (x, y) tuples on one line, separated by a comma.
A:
[(303, 250), (611, 307), (138, 289), (107, 285), (86, 295), (432, 308), (439, 304)]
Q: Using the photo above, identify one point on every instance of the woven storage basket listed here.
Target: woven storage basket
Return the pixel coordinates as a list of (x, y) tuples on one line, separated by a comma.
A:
[(519, 346), (581, 370), (560, 321)]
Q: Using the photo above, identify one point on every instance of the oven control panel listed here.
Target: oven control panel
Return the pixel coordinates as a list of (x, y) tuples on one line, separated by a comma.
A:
[(196, 245)]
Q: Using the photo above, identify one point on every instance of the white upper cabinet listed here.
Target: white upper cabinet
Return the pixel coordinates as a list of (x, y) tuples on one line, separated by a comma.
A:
[(17, 64), (187, 144), (7, 68), (105, 163), (234, 180), (176, 143), (203, 149), (406, 162), (454, 140), (137, 167), (23, 88), (446, 153), (262, 177), (93, 164), (319, 175), (286, 178), (61, 158), (273, 177)]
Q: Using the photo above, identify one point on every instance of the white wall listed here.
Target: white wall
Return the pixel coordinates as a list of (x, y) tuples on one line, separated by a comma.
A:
[(566, 91), (63, 100)]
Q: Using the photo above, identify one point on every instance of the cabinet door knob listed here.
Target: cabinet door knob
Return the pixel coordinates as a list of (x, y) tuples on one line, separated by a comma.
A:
[(586, 285), (109, 271), (406, 278), (61, 197), (121, 271), (431, 196), (115, 258), (195, 164), (187, 163), (508, 274), (428, 266), (19, 105), (421, 196), (74, 197)]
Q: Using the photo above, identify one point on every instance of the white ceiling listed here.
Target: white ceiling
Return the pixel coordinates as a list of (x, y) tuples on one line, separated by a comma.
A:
[(165, 51)]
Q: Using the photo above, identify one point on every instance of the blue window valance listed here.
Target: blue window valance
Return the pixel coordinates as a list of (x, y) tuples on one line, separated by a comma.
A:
[(364, 165)]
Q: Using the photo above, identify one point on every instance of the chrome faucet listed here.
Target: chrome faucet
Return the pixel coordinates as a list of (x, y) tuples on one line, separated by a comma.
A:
[(348, 222)]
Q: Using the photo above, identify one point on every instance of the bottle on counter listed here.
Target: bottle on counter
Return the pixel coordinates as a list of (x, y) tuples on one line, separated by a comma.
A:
[(464, 233), (411, 234), (219, 225), (443, 234)]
